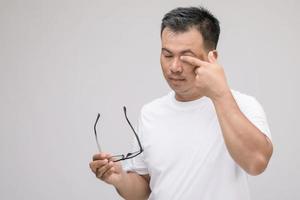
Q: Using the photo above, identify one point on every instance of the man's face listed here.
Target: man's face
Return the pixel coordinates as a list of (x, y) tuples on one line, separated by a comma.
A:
[(180, 75)]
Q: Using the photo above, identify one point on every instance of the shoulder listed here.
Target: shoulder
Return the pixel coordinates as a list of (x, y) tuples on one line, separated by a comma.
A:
[(253, 110), (242, 97), (245, 101), (249, 105)]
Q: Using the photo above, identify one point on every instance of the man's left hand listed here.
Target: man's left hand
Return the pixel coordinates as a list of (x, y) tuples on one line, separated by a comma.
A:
[(210, 77)]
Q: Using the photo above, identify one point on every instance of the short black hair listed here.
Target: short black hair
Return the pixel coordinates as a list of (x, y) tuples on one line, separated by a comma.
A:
[(181, 19)]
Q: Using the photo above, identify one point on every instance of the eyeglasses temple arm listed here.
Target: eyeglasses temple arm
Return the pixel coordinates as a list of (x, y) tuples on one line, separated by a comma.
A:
[(137, 137), (95, 131)]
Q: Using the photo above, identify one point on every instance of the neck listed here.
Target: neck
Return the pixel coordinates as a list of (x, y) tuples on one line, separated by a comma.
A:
[(187, 97)]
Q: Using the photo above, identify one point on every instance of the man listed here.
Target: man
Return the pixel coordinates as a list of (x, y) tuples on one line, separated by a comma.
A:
[(201, 140)]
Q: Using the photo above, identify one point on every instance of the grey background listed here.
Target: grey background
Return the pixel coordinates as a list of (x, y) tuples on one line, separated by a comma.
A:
[(63, 61)]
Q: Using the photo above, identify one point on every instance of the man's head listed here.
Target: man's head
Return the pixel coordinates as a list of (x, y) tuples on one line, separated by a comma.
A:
[(186, 31), (181, 20)]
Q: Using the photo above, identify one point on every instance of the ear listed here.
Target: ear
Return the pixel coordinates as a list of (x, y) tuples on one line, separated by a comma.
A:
[(213, 56), (215, 53)]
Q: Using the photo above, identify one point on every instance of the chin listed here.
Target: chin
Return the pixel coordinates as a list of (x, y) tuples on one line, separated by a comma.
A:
[(180, 91)]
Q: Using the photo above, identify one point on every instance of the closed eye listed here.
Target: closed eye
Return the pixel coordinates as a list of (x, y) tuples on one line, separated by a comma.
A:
[(168, 56)]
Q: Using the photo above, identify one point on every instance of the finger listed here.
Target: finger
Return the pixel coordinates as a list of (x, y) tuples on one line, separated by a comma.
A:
[(193, 61), (108, 173), (92, 167), (97, 164), (111, 170), (101, 156), (198, 70), (102, 170), (198, 77), (114, 158)]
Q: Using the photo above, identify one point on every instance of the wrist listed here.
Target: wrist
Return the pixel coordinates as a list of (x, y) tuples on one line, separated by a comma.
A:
[(121, 181), (222, 96), (226, 104)]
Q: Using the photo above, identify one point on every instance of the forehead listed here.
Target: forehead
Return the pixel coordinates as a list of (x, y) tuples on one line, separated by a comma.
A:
[(178, 41)]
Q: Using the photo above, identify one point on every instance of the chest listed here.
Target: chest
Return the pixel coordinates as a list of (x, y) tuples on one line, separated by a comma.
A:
[(169, 139)]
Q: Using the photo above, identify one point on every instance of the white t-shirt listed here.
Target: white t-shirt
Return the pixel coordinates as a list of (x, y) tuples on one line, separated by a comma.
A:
[(184, 150)]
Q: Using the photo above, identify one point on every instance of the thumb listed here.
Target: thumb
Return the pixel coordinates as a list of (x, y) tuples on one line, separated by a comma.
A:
[(211, 57)]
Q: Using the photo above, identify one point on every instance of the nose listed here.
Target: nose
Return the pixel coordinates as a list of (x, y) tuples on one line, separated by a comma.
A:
[(176, 66)]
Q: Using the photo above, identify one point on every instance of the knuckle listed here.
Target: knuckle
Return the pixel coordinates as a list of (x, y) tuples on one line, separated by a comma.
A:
[(199, 72), (101, 163), (102, 155)]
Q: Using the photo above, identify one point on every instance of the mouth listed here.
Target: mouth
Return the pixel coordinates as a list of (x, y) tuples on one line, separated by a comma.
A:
[(176, 80)]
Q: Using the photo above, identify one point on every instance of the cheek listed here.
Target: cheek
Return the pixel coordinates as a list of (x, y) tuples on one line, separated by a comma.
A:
[(164, 65), (189, 70)]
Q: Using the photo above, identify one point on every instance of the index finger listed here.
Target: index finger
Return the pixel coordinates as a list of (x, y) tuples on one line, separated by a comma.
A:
[(193, 61)]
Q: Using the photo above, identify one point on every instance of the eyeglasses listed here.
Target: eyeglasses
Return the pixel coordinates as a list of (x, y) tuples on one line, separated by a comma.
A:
[(122, 156)]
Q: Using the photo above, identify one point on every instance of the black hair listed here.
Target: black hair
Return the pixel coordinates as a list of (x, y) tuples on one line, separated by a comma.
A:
[(182, 19)]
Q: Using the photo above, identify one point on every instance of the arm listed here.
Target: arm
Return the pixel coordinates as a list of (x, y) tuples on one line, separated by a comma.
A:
[(134, 186), (247, 145), (130, 185)]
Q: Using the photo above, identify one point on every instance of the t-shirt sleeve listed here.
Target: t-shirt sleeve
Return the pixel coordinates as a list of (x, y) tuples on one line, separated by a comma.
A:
[(136, 164), (253, 110)]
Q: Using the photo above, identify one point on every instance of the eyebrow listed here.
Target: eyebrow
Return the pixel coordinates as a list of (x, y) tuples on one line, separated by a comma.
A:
[(181, 52)]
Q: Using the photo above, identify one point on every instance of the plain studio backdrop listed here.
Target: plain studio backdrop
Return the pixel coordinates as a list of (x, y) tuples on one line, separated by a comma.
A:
[(63, 61)]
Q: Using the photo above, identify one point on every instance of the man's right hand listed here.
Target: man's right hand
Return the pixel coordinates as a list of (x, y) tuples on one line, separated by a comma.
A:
[(106, 170), (129, 185)]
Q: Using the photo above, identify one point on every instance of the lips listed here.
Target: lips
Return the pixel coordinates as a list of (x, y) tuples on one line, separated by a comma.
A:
[(176, 79)]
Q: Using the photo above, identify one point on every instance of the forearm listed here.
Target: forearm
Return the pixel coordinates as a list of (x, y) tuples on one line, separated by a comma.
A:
[(247, 145), (133, 187)]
